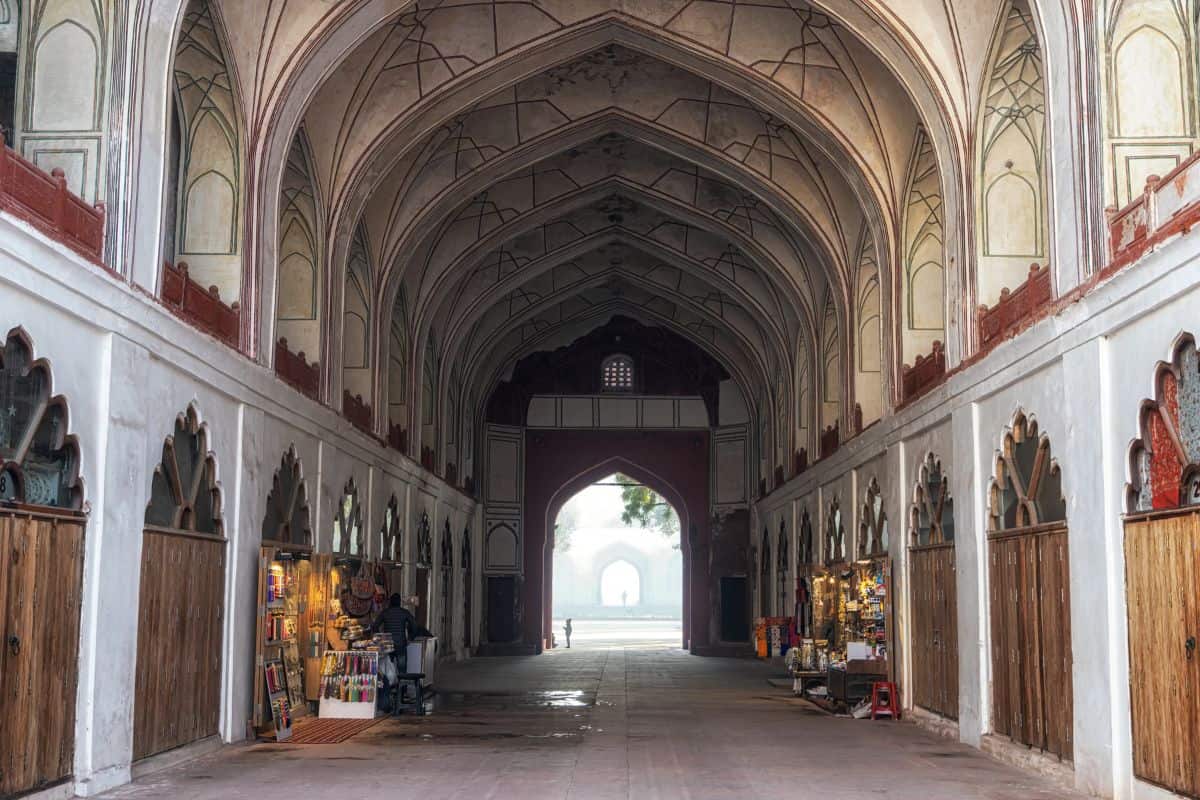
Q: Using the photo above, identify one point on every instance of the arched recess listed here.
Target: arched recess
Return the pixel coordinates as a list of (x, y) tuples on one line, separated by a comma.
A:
[(923, 277), (606, 587), (398, 375), (357, 321), (390, 544), (873, 530), (1012, 214), (466, 564), (805, 402), (300, 279), (349, 537), (782, 569), (206, 191), (42, 526), (446, 585), (287, 523), (1162, 549), (764, 574), (424, 567), (807, 565), (181, 599), (834, 549), (933, 594), (1151, 99), (832, 385), (560, 463), (869, 356), (1029, 586)]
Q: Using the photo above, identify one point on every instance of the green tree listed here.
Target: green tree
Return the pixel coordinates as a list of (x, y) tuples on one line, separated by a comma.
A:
[(646, 507)]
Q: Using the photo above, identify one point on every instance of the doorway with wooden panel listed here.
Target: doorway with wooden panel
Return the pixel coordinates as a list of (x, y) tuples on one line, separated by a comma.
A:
[(933, 588), (1029, 579), (181, 599), (1162, 569), (41, 575)]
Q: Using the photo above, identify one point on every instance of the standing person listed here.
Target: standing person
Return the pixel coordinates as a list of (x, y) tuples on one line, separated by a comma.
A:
[(567, 631)]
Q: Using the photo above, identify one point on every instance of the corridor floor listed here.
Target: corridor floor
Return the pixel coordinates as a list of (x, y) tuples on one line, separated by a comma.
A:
[(598, 722)]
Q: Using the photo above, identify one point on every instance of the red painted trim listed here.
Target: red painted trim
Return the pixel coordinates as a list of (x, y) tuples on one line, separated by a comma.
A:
[(42, 200), (200, 307), (295, 370)]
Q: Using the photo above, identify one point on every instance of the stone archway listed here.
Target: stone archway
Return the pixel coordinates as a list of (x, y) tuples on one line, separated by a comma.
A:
[(560, 463)]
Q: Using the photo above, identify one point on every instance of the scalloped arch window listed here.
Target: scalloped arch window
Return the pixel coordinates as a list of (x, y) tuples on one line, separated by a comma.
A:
[(390, 534), (931, 516), (39, 461), (873, 532), (1027, 488), (184, 494), (287, 519), (348, 537), (835, 535), (1164, 461)]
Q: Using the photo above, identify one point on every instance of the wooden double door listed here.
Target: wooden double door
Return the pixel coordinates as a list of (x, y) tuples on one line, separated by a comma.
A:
[(934, 626), (1162, 583), (177, 694), (1031, 638), (41, 584)]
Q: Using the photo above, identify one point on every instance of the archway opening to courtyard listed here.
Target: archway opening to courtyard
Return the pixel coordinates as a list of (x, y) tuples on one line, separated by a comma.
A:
[(617, 567)]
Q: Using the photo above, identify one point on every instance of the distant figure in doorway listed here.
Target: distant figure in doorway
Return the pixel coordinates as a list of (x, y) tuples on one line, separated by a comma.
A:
[(567, 631), (624, 598)]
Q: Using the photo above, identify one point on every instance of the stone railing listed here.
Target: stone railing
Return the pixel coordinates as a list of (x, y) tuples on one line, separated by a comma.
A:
[(923, 375), (295, 369), (1015, 307), (1168, 206), (199, 306), (44, 201)]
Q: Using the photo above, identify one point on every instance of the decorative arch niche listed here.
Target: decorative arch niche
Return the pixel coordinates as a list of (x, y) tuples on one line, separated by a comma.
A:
[(424, 541), (835, 535), (1164, 461), (184, 494), (39, 460), (873, 531), (348, 536), (287, 521), (1027, 488), (391, 536), (931, 516), (806, 554), (782, 566)]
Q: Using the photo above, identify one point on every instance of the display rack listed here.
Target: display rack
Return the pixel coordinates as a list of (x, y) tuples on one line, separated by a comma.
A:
[(349, 683), (275, 675)]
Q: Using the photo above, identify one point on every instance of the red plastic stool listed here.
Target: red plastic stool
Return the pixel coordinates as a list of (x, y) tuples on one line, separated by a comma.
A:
[(885, 700)]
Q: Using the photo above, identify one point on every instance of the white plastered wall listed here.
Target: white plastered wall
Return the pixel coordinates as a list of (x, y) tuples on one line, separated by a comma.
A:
[(1082, 374), (126, 367)]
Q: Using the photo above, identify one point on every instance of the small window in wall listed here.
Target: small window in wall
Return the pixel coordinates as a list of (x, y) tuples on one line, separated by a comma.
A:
[(616, 374)]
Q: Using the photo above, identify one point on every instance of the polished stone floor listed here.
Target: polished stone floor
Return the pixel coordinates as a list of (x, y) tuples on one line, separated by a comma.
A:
[(605, 720)]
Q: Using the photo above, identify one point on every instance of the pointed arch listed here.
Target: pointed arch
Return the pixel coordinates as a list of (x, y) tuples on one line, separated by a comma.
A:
[(287, 521), (832, 390), (357, 320), (299, 278), (209, 184), (924, 267), (868, 340), (1011, 206)]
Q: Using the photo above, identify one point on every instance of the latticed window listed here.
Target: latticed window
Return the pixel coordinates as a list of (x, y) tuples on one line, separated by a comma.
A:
[(39, 462), (616, 374)]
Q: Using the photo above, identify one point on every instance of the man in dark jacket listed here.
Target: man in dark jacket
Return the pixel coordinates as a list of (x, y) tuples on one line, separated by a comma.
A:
[(401, 624)]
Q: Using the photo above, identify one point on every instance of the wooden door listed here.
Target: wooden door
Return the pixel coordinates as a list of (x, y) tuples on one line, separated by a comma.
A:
[(180, 610), (934, 629), (502, 609), (41, 584), (422, 610), (1032, 700), (1162, 571)]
